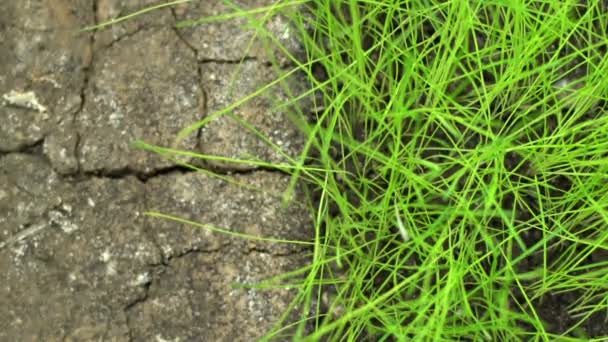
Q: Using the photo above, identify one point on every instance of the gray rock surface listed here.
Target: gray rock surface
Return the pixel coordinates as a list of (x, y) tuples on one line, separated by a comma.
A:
[(79, 259)]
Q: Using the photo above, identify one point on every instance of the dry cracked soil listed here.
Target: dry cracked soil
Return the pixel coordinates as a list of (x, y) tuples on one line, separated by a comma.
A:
[(79, 259)]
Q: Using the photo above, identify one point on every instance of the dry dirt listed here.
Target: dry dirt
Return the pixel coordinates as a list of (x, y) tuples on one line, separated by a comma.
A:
[(79, 259)]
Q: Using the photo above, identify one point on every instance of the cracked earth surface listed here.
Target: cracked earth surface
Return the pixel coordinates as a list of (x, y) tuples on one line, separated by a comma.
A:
[(79, 259)]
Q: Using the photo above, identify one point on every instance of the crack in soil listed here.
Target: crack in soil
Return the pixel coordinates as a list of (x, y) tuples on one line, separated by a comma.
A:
[(126, 36), (226, 171), (203, 106), (77, 148), (142, 176), (196, 51), (261, 250), (146, 288), (35, 149), (157, 272), (192, 251), (204, 109), (88, 72), (228, 61), (142, 299)]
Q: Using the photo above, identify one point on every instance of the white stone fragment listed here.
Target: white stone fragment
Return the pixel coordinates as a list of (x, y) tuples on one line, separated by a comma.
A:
[(27, 100)]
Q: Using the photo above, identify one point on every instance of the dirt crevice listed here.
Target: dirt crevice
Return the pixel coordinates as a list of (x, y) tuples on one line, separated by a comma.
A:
[(204, 96), (167, 258), (228, 61), (143, 177), (88, 72), (197, 52), (140, 300), (192, 251), (204, 109), (227, 171), (146, 286), (122, 37), (261, 250), (179, 35), (34, 149), (77, 147)]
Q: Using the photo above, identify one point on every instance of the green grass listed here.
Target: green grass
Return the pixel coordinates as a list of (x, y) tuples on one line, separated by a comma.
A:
[(456, 185)]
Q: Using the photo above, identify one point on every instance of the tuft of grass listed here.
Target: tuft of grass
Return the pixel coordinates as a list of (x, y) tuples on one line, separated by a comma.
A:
[(456, 163), (471, 140)]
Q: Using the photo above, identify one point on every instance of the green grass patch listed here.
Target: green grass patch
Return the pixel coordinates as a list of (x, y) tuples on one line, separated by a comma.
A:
[(472, 142)]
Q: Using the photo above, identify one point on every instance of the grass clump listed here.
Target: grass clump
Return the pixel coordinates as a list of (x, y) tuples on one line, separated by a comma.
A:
[(457, 167), (465, 145)]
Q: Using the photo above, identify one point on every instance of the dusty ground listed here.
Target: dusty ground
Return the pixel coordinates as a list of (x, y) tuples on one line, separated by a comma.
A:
[(79, 260)]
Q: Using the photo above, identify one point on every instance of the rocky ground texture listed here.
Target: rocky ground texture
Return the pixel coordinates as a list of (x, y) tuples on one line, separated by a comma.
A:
[(79, 259)]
